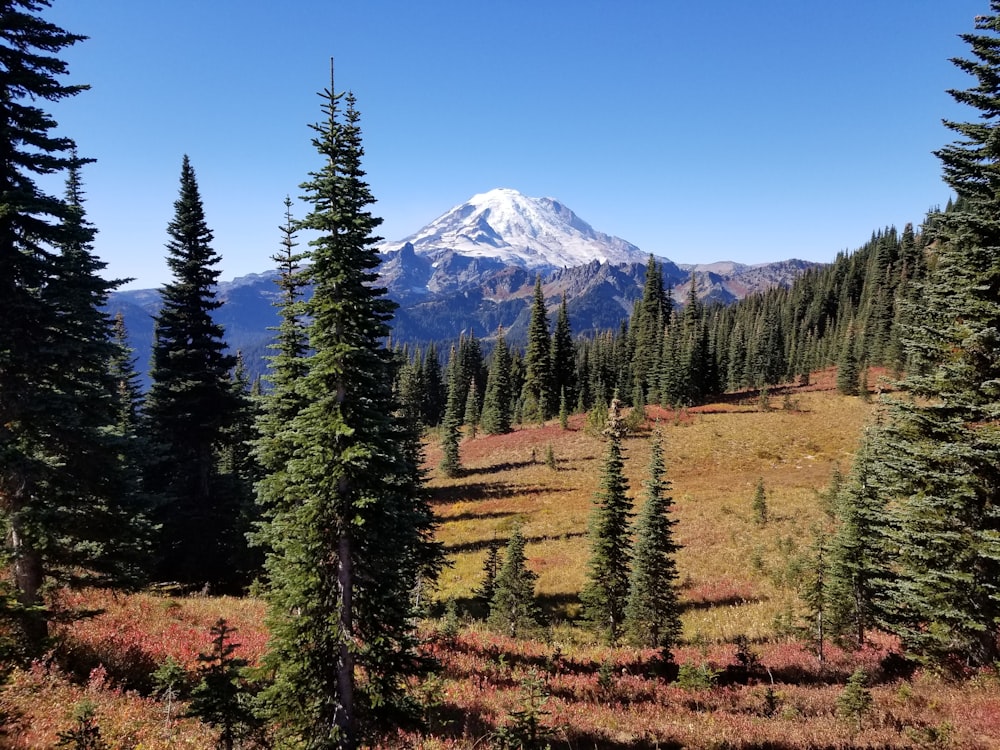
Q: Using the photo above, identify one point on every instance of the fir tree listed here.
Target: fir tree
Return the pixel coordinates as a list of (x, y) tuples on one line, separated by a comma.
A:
[(941, 462), (848, 365), (350, 529), (191, 404), (471, 412), (412, 393), (646, 329), (50, 368), (652, 614), (436, 388), (496, 416), (563, 361), (606, 592), (759, 503), (537, 391), (288, 365), (859, 559), (451, 463), (491, 567), (220, 698), (512, 608)]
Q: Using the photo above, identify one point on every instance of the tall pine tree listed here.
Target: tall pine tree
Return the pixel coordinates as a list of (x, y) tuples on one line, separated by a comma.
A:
[(60, 478), (191, 404), (652, 614), (606, 592), (540, 400), (496, 416), (349, 528), (942, 440)]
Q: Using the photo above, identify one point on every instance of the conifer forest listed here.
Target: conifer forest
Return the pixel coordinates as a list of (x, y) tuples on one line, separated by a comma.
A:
[(768, 524)]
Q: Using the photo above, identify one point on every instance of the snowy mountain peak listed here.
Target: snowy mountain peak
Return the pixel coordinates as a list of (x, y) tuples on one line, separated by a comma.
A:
[(535, 233)]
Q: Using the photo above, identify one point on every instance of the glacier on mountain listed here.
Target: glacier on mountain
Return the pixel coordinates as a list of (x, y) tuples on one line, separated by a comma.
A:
[(534, 233)]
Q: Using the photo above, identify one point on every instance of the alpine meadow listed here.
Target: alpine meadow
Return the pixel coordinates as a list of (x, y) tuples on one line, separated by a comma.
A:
[(662, 514)]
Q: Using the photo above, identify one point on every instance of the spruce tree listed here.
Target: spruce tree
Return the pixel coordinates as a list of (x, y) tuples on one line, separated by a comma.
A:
[(539, 398), (496, 416), (512, 609), (942, 447), (349, 528), (606, 592), (287, 367), (652, 614), (191, 404), (436, 388), (471, 412), (61, 489), (759, 503), (491, 568), (412, 393), (563, 361), (646, 328), (859, 554), (451, 463)]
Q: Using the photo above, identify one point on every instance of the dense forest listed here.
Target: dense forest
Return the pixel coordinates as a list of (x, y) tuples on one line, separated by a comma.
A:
[(851, 313), (308, 489)]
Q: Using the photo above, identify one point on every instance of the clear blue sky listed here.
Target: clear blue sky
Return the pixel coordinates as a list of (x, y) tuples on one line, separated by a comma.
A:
[(700, 131)]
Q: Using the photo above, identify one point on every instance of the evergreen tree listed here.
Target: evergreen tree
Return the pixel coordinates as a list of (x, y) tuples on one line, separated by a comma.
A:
[(288, 365), (815, 592), (350, 529), (496, 416), (412, 393), (436, 388), (238, 472), (646, 332), (451, 463), (539, 398), (563, 359), (191, 404), (858, 570), (652, 614), (471, 412), (220, 698), (848, 365), (606, 592), (491, 567), (512, 608), (108, 540), (47, 276), (942, 448), (759, 503)]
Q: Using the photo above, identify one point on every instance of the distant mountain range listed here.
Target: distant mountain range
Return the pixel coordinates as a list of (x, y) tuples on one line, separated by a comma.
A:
[(473, 269)]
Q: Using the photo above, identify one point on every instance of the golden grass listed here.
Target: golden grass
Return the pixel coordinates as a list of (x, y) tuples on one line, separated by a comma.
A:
[(715, 456)]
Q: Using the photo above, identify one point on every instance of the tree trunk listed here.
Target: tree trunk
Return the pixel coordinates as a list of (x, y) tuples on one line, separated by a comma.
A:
[(345, 669), (28, 576)]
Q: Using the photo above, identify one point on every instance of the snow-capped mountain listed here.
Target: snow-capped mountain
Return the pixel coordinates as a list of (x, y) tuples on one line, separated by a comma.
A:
[(534, 233)]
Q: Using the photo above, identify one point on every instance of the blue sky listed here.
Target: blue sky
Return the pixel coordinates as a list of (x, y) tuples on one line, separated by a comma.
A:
[(698, 131)]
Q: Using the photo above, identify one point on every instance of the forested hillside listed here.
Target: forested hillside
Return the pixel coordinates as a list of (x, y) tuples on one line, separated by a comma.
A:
[(485, 546)]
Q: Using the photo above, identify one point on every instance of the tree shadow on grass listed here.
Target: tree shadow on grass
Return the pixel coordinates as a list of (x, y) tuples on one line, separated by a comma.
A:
[(486, 491), (506, 466), (473, 516), (725, 601), (481, 544)]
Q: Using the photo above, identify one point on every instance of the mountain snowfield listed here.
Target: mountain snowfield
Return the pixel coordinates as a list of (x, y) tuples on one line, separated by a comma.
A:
[(533, 233)]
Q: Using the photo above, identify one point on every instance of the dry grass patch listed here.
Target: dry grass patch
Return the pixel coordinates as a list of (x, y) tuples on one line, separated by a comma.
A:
[(715, 456)]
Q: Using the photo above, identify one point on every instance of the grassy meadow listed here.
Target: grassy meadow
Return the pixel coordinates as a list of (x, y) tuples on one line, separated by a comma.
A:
[(750, 678)]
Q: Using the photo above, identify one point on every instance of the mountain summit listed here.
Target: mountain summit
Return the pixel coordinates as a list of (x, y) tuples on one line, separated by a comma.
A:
[(533, 233)]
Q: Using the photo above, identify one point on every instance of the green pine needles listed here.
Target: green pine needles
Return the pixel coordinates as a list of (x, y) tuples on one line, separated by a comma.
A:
[(605, 594), (652, 613), (348, 530)]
